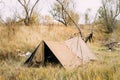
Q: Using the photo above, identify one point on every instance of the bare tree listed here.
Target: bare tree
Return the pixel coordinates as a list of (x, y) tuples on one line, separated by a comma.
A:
[(28, 11), (65, 10), (58, 12), (86, 39), (108, 13)]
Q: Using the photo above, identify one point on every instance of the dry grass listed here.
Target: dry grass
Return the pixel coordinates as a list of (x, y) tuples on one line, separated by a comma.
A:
[(107, 67), (27, 37)]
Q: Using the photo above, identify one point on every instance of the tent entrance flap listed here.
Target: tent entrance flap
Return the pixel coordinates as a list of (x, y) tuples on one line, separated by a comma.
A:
[(37, 56), (29, 60), (49, 56)]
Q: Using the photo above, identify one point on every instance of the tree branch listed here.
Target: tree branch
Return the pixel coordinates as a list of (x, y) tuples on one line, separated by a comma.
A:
[(33, 7), (71, 19), (25, 7)]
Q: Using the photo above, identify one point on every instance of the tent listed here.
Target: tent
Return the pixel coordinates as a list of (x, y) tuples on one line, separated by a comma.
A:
[(70, 53)]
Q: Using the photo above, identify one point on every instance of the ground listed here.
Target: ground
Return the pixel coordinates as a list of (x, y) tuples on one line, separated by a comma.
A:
[(25, 38)]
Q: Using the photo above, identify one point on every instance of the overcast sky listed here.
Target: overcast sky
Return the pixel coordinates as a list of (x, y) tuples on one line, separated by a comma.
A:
[(7, 9)]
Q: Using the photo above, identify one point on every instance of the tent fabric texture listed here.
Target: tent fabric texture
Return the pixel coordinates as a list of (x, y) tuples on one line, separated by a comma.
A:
[(70, 54)]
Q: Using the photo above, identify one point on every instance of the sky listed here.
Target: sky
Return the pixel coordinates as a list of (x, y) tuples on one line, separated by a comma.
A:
[(44, 6)]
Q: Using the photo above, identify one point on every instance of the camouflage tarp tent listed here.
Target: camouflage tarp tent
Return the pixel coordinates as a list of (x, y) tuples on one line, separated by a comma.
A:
[(70, 54)]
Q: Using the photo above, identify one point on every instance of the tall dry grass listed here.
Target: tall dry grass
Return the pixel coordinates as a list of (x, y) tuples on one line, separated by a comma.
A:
[(25, 38), (107, 67)]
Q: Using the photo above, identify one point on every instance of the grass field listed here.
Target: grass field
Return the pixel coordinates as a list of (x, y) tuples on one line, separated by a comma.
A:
[(24, 38)]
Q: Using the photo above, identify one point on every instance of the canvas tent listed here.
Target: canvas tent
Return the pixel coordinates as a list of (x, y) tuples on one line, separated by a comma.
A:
[(70, 53)]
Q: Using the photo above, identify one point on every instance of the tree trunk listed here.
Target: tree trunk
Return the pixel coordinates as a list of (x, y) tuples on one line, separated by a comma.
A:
[(27, 21), (110, 29)]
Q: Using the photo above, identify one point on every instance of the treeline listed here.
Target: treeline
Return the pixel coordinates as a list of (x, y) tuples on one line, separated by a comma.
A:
[(63, 11)]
